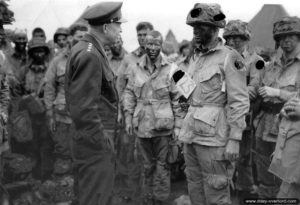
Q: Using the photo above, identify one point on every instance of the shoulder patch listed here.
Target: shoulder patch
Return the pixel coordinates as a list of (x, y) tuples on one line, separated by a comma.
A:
[(90, 47), (238, 64)]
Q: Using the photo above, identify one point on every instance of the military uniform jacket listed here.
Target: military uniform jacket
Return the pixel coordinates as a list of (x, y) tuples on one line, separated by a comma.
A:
[(282, 76), (151, 99), (54, 91), (220, 101), (90, 94)]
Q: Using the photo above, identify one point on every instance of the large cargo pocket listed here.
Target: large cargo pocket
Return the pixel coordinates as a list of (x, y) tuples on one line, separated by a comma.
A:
[(205, 120), (163, 114)]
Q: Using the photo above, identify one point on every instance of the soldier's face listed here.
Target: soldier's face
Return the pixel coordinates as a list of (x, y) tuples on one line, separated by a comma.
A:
[(113, 31), (153, 47), (203, 34), (39, 54), (288, 43), (108, 51), (21, 43), (39, 35), (76, 37), (61, 41), (236, 42), (116, 47), (141, 36)]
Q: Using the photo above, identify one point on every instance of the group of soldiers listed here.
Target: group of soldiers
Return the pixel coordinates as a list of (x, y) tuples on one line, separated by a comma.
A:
[(85, 122)]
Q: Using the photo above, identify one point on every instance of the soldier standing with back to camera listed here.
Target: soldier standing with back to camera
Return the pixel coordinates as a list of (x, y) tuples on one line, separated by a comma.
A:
[(92, 102), (213, 126)]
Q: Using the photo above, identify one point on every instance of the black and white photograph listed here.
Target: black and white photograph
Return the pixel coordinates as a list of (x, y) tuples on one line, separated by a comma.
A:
[(149, 102)]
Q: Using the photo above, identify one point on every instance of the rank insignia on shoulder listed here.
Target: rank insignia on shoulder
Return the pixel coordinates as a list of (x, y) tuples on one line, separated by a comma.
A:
[(89, 48)]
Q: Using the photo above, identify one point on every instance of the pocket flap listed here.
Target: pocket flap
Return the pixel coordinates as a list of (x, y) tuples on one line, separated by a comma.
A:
[(209, 73), (159, 85), (209, 115)]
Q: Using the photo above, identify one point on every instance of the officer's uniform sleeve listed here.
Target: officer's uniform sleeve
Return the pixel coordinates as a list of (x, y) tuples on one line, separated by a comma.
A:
[(84, 84), (50, 86), (130, 100), (237, 94)]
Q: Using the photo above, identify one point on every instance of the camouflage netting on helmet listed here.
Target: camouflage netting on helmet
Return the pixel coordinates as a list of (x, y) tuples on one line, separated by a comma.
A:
[(286, 26), (57, 190), (207, 14), (237, 28)]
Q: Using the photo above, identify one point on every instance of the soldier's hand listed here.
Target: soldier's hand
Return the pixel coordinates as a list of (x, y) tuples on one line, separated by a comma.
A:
[(4, 118), (292, 108), (268, 92), (232, 150), (120, 117), (252, 93), (52, 124), (176, 133), (129, 128)]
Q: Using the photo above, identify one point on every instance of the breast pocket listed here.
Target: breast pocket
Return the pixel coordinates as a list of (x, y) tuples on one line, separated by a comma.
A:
[(210, 80), (205, 121), (138, 86), (161, 89)]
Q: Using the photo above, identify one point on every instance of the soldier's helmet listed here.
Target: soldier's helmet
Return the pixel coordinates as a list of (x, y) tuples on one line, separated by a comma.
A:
[(237, 28), (35, 43), (206, 14), (60, 31), (286, 26), (19, 34)]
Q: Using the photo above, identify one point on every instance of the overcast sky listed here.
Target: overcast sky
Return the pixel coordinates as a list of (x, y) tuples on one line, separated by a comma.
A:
[(164, 14)]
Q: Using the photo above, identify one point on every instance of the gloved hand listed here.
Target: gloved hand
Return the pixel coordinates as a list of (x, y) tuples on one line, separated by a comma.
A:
[(232, 150), (268, 92)]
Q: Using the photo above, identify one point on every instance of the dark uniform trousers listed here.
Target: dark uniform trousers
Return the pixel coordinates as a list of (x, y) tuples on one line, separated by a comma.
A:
[(94, 166)]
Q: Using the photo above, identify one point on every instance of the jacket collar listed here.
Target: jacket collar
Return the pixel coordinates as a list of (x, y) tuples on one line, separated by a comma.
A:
[(96, 42)]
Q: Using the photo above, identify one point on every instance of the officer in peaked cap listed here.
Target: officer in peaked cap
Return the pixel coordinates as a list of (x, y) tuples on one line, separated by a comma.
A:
[(92, 101)]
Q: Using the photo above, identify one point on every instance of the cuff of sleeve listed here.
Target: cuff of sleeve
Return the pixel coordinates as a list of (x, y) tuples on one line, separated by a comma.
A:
[(285, 95), (235, 133)]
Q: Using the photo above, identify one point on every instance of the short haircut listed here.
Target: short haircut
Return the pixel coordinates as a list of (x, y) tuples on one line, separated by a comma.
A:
[(155, 34), (77, 27), (144, 25)]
